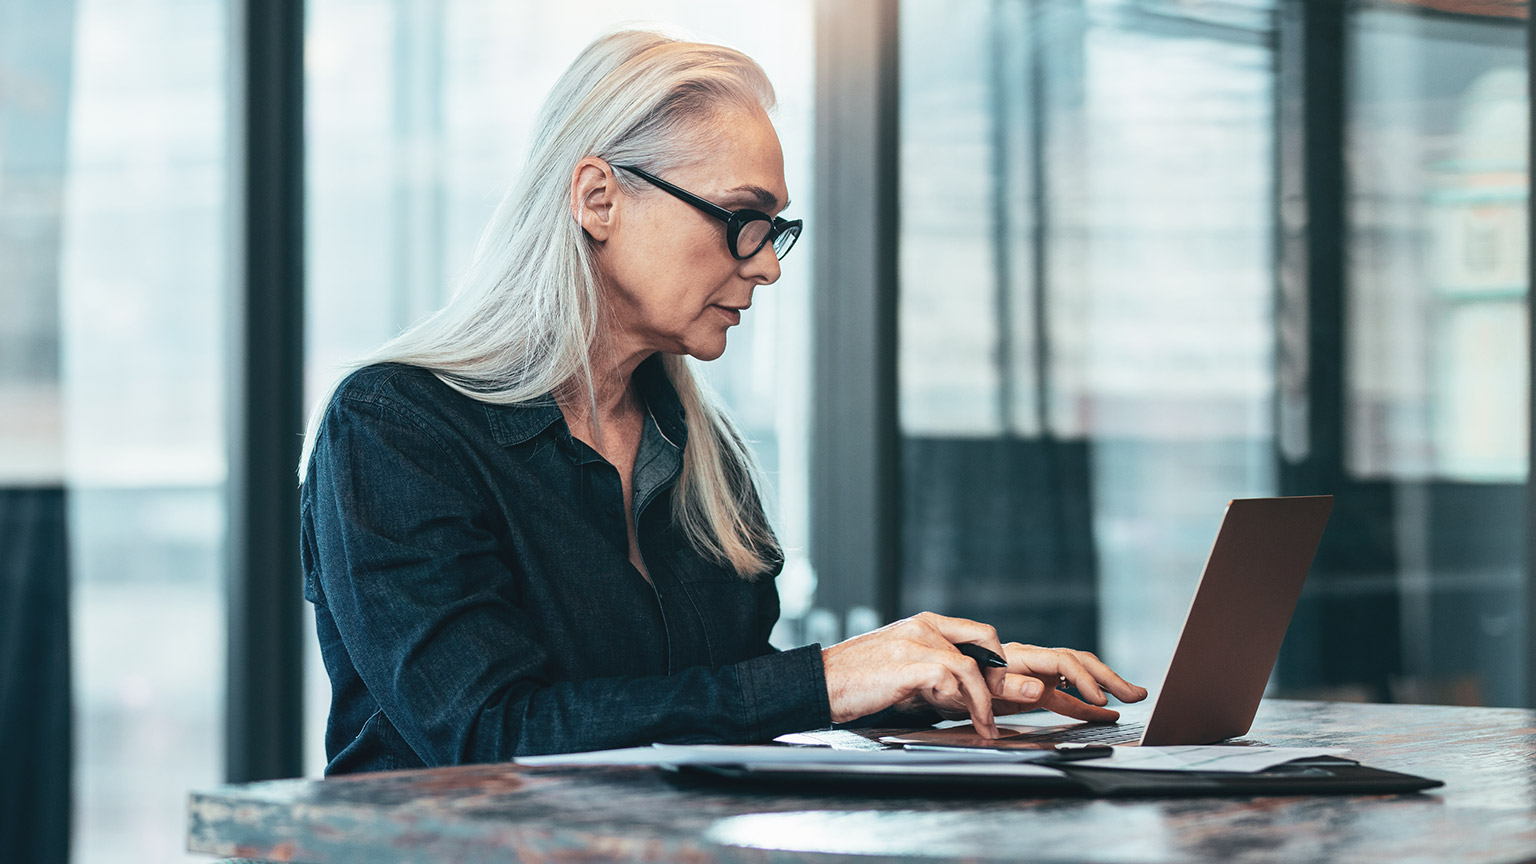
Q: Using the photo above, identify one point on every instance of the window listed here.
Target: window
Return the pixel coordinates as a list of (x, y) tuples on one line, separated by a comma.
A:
[(1086, 310), (113, 165), (1436, 353), (1101, 342)]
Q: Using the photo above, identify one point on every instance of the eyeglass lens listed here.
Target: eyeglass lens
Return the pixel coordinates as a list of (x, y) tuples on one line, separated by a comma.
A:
[(785, 240), (752, 235), (755, 233)]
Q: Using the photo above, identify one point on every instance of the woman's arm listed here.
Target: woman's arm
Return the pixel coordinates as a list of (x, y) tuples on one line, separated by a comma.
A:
[(418, 587)]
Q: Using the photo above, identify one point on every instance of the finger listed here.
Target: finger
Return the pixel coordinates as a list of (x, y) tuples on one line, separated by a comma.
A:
[(962, 630), (1068, 705), (977, 697), (1124, 690), (1078, 668), (1004, 707), (941, 688), (995, 679), (1073, 672), (933, 628), (1058, 667), (1021, 689)]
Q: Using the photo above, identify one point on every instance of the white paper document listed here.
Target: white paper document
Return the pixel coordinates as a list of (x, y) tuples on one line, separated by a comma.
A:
[(756, 755), (1212, 758), (1244, 760)]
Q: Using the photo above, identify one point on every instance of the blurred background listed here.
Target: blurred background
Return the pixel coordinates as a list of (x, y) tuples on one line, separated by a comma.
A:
[(1141, 257)]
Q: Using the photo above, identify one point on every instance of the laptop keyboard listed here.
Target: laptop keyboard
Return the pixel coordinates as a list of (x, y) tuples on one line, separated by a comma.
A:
[(869, 739), (1093, 733)]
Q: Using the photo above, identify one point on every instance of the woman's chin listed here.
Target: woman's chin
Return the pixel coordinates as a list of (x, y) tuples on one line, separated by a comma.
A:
[(707, 351)]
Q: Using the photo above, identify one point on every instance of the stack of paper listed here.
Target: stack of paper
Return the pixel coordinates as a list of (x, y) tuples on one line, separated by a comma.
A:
[(754, 755), (958, 761)]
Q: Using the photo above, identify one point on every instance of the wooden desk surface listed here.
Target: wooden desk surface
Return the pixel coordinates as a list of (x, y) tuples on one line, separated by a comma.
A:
[(1485, 813)]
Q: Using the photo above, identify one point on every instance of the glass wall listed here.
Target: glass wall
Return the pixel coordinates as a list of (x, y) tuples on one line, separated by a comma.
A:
[(113, 270), (1086, 324), (1436, 357), (418, 116), (143, 282), (1090, 330)]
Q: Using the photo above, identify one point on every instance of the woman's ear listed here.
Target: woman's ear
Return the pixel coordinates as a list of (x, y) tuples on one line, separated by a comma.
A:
[(594, 192)]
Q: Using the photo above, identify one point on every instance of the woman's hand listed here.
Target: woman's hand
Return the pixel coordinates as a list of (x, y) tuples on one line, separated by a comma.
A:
[(915, 660), (1062, 667)]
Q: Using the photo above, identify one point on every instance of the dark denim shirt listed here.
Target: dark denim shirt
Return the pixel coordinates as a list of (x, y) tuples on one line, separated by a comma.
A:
[(474, 600)]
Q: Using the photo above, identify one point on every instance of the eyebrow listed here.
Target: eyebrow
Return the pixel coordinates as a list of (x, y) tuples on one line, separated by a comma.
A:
[(765, 200)]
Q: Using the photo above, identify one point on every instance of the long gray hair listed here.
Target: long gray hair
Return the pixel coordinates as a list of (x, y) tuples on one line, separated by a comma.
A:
[(524, 320)]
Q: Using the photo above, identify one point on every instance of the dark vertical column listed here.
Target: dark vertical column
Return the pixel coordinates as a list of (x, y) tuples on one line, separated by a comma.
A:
[(265, 635), (36, 723), (1309, 120), (1345, 635), (1312, 227), (854, 468), (1312, 86)]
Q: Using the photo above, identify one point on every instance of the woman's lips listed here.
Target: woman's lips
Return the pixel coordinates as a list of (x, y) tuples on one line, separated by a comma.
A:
[(731, 314)]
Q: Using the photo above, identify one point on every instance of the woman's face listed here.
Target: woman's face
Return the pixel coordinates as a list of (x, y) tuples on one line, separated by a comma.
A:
[(672, 282)]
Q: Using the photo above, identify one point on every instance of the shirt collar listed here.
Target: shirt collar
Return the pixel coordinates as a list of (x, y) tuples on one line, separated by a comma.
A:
[(656, 388), (522, 421)]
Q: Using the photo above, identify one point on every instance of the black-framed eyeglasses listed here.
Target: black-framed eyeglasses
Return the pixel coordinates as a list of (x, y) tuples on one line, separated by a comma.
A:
[(746, 231)]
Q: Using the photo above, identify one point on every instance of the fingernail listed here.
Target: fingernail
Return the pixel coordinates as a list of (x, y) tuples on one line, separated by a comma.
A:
[(1033, 689)]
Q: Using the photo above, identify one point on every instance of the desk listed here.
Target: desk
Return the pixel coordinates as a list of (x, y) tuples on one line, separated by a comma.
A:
[(1485, 813)]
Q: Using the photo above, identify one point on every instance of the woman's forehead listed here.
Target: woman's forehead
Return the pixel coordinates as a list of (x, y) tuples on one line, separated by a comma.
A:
[(744, 161)]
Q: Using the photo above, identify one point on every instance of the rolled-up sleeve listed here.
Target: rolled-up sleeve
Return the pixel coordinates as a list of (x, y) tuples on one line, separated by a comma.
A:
[(416, 581)]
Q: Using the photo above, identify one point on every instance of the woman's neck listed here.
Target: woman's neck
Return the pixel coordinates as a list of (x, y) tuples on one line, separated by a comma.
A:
[(613, 392)]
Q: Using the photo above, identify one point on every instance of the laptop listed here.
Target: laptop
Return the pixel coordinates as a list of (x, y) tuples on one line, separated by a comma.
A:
[(1228, 646)]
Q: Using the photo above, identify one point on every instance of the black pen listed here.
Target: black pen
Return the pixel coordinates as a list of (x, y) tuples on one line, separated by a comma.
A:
[(982, 656)]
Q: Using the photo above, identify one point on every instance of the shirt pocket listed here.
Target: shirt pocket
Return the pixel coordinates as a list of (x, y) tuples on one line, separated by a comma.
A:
[(728, 606), (691, 568)]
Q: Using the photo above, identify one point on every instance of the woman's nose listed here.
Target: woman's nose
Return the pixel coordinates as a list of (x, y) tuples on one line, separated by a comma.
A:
[(763, 267)]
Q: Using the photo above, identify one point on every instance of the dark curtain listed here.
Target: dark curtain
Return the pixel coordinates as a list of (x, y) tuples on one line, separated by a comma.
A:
[(35, 723), (1001, 530)]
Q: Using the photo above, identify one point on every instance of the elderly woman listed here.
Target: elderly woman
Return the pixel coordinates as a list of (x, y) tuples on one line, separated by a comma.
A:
[(527, 528)]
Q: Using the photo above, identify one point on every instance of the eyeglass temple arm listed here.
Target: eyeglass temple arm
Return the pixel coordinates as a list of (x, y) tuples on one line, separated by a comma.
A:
[(711, 208)]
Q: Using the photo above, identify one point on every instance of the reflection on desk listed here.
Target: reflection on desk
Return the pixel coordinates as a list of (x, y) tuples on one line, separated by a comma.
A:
[(1486, 811)]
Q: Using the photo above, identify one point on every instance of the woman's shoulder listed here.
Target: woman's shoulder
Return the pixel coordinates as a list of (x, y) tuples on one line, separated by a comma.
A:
[(389, 424), (391, 382), (397, 389)]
